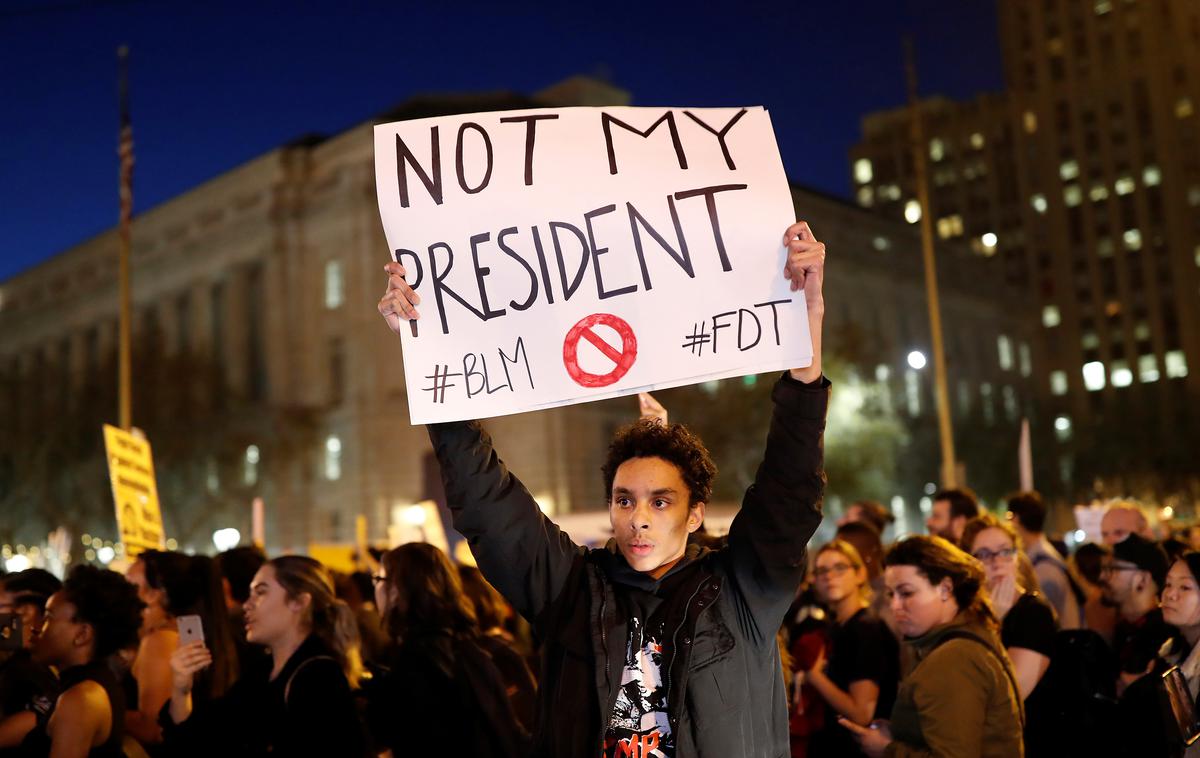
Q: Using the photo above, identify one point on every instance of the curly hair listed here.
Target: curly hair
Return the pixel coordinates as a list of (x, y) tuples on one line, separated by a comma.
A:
[(937, 559), (110, 604), (674, 443)]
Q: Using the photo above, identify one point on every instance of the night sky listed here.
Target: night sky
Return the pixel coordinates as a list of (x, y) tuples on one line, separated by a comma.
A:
[(215, 84)]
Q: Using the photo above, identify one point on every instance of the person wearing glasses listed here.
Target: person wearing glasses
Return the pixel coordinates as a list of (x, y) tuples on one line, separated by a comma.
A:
[(959, 696), (1133, 576), (858, 673)]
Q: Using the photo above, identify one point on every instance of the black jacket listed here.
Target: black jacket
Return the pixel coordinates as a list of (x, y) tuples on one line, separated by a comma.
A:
[(725, 688)]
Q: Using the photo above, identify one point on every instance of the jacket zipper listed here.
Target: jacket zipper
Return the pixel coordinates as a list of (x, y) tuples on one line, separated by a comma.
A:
[(675, 636)]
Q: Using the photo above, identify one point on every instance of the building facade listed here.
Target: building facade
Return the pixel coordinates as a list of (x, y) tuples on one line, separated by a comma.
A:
[(1083, 179)]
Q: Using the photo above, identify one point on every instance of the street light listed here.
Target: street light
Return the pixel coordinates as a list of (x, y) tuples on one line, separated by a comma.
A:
[(916, 359)]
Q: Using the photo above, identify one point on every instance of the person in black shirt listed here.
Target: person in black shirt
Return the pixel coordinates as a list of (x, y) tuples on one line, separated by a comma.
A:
[(857, 676), (94, 615), (301, 703), (25, 685)]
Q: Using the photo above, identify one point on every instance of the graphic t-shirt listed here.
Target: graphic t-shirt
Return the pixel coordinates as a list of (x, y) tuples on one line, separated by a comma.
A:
[(638, 726)]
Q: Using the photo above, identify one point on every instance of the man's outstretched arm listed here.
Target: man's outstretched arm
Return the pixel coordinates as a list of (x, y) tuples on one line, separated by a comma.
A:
[(782, 509)]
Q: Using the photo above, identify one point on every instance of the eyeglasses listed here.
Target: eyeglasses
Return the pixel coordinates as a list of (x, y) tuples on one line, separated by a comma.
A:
[(986, 555), (836, 569), (1109, 568)]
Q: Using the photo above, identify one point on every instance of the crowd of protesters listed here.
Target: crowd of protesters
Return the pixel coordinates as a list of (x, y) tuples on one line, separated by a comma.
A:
[(1009, 645)]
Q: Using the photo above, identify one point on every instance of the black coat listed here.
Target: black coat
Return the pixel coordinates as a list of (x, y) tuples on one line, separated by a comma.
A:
[(725, 688)]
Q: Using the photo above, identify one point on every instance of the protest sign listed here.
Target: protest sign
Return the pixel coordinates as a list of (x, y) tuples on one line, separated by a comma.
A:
[(135, 493), (567, 255)]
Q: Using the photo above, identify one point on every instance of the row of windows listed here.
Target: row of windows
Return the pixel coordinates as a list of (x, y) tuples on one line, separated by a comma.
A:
[(1096, 376)]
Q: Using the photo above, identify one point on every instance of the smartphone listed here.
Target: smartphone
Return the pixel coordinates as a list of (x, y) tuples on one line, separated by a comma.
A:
[(191, 629), (10, 632), (1182, 706)]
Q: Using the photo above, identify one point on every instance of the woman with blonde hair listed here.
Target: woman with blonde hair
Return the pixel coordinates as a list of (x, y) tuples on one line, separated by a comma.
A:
[(301, 702), (960, 696), (857, 675)]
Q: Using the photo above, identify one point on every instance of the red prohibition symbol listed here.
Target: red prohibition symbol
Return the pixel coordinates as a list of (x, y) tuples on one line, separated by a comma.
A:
[(623, 358)]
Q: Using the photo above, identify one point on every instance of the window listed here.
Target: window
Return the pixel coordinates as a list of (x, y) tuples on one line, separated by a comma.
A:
[(1103, 6), (1069, 170), (988, 241), (1023, 359), (1004, 352), (250, 466), (912, 211), (937, 149), (1120, 374), (862, 170), (964, 396), (1072, 195), (1133, 239), (1030, 121), (333, 458), (1093, 376), (1062, 428), (1104, 247), (882, 373), (1176, 364), (989, 406), (977, 141), (1050, 316), (1098, 192), (1039, 203), (212, 475), (912, 391), (881, 243), (1009, 395), (1193, 196), (866, 197), (1089, 341), (1147, 368), (1151, 176), (335, 286), (1125, 185), (1058, 382), (1183, 107)]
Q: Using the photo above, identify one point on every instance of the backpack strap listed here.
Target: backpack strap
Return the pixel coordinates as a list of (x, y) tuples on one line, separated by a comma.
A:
[(1005, 663), (287, 688)]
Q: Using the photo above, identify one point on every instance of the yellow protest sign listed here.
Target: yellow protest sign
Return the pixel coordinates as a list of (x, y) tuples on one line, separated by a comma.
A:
[(135, 494)]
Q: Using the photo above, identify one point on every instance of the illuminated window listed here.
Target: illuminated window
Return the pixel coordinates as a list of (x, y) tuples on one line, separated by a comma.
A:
[(1120, 374), (1058, 382), (333, 458), (1098, 192), (1151, 176), (912, 211), (1039, 203), (1147, 368), (888, 192), (1183, 107), (1009, 396), (1104, 247), (1023, 359), (335, 285), (1093, 376), (250, 469), (1125, 185), (866, 197), (1050, 316), (1089, 341), (1193, 196), (912, 391), (1030, 122), (937, 149), (1004, 352), (1062, 428), (1133, 239), (1103, 6), (882, 372), (1176, 364), (862, 171), (1072, 195), (212, 475), (881, 243), (989, 405), (1069, 170), (1141, 331), (964, 396), (977, 141)]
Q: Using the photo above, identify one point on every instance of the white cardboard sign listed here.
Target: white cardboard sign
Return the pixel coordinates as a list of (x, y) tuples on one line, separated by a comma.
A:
[(573, 254)]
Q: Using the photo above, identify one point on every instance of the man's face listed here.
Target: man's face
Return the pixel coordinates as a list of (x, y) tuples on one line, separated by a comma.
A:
[(1118, 578), (939, 523), (650, 515), (1117, 524), (60, 632)]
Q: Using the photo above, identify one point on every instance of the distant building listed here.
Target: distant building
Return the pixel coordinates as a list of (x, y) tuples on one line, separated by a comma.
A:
[(1083, 180), (265, 370)]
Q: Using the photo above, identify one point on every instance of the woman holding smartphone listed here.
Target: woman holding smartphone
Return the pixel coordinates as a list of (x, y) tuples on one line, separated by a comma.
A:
[(302, 702), (961, 697)]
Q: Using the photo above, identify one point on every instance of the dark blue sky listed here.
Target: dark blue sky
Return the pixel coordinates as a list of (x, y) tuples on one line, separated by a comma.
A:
[(214, 84)]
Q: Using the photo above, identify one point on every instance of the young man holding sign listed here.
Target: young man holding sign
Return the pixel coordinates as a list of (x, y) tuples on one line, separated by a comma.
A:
[(652, 646)]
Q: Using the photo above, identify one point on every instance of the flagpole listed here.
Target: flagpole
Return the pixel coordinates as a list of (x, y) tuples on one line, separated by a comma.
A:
[(124, 234)]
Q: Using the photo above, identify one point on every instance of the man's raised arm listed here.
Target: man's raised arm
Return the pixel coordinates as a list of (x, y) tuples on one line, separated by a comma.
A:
[(520, 551), (782, 509)]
